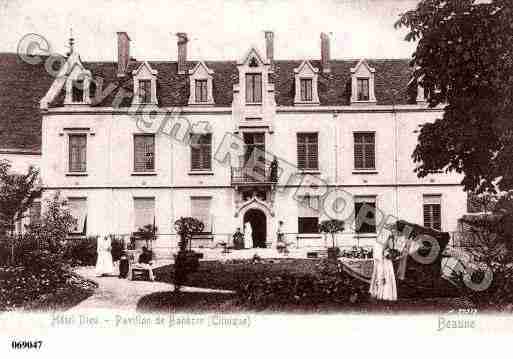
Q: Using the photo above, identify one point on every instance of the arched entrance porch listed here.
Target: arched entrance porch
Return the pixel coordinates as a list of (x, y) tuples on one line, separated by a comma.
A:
[(260, 215), (258, 221)]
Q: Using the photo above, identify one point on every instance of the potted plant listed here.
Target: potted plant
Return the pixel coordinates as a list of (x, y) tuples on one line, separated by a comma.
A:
[(332, 226), (146, 233), (186, 260)]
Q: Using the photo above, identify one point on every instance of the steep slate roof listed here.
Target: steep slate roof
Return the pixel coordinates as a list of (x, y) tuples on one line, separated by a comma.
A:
[(22, 86), (391, 82)]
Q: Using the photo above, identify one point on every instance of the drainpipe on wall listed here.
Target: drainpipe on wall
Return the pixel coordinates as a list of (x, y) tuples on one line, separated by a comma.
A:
[(335, 118), (396, 150)]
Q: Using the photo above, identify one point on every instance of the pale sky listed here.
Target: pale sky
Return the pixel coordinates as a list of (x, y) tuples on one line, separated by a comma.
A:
[(219, 30)]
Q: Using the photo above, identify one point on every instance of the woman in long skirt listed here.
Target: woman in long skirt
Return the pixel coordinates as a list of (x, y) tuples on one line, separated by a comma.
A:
[(104, 265), (248, 235), (383, 285)]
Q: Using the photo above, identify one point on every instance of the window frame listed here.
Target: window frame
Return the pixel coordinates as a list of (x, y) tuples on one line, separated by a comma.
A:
[(146, 99), (307, 148), (360, 89), (78, 90), (431, 199), (35, 215), (83, 232), (361, 201), (71, 168), (306, 89), (149, 198), (302, 227), (309, 209), (253, 75), (203, 90), (201, 149), (142, 135), (210, 214), (364, 148)]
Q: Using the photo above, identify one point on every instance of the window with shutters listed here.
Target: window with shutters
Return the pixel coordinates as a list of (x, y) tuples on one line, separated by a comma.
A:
[(363, 89), (307, 151), (308, 214), (201, 152), (365, 215), (145, 91), (144, 153), (253, 88), (364, 151), (201, 210), (432, 212), (78, 210), (78, 153), (144, 212), (306, 90), (201, 91)]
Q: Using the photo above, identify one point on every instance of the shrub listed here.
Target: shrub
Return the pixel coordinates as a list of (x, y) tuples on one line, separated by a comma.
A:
[(185, 261), (83, 251), (5, 250), (329, 286), (332, 227), (42, 246)]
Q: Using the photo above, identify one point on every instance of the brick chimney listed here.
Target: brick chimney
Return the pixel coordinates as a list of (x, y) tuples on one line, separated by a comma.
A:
[(325, 52), (123, 52), (182, 52), (269, 47)]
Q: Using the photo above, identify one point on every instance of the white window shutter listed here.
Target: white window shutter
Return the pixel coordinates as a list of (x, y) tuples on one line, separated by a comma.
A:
[(144, 209)]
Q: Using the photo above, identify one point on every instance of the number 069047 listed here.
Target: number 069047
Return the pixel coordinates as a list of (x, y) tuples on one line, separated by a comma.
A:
[(26, 344)]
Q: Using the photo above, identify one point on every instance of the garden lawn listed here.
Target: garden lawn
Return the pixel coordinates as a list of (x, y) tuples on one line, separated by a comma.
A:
[(44, 291), (232, 274)]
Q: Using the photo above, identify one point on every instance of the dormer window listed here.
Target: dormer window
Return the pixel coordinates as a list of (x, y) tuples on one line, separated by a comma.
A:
[(145, 85), (253, 88), (253, 94), (363, 89), (201, 85), (362, 83), (77, 86), (74, 80), (145, 91), (306, 84), (77, 91), (306, 90)]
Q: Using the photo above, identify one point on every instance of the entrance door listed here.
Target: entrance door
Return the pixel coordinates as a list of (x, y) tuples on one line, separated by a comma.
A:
[(259, 226)]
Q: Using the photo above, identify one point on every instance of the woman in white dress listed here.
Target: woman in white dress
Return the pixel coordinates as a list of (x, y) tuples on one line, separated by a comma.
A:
[(248, 235), (104, 265), (383, 285)]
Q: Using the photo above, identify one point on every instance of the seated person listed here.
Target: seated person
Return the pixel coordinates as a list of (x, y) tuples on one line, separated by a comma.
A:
[(124, 265), (146, 256), (145, 262)]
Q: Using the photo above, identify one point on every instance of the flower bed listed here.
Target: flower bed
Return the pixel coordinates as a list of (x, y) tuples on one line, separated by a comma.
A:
[(357, 252), (277, 283), (48, 289)]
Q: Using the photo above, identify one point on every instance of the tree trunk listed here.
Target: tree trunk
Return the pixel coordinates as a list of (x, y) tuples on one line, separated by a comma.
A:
[(11, 239)]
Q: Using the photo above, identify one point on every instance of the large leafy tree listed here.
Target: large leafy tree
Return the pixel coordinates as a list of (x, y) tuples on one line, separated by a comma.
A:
[(464, 62), (17, 193)]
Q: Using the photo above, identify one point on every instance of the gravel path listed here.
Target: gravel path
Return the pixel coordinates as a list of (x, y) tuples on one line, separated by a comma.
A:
[(123, 294)]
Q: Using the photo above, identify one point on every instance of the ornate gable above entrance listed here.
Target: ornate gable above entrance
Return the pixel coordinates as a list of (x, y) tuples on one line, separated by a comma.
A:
[(254, 202)]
